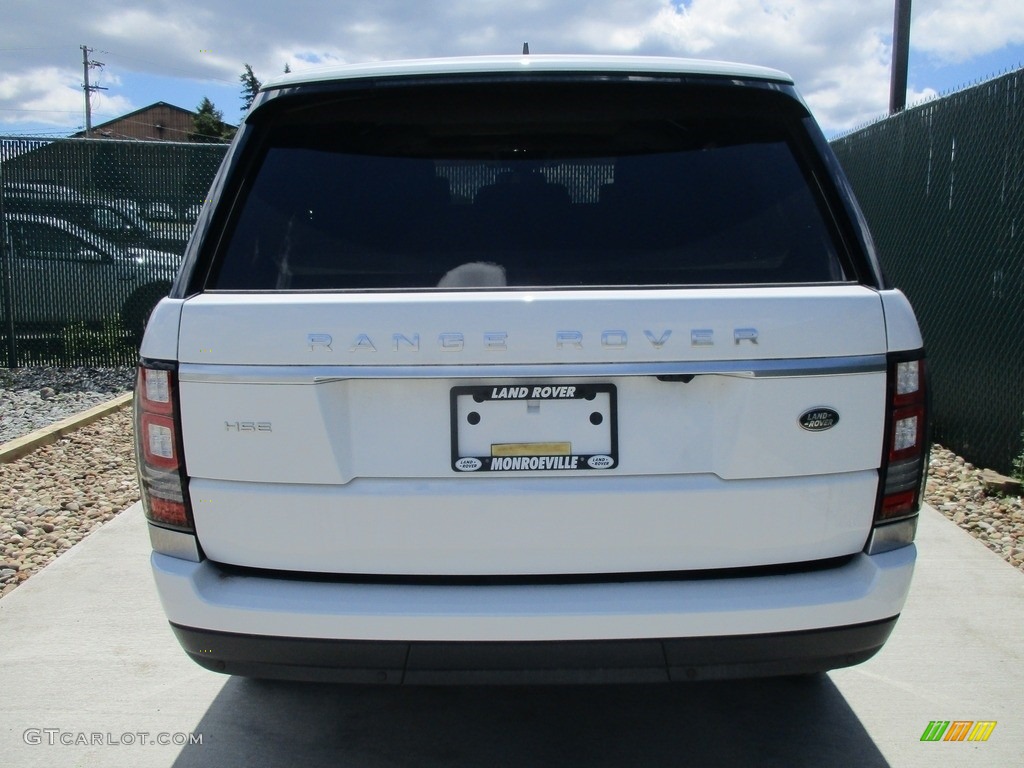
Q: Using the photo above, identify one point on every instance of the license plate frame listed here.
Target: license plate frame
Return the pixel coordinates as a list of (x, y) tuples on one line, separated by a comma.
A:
[(527, 426)]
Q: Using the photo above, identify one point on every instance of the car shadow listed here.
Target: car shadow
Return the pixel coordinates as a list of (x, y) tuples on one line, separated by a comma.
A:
[(771, 722)]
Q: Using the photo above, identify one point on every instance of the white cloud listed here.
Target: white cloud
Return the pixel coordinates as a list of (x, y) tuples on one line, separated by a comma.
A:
[(194, 40), (53, 96), (837, 51), (956, 30)]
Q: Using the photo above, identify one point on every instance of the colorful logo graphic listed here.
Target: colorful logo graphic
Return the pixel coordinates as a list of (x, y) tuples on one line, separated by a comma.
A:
[(958, 730)]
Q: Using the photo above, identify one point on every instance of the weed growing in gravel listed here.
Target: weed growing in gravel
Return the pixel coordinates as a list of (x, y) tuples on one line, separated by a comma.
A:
[(103, 346), (1018, 463)]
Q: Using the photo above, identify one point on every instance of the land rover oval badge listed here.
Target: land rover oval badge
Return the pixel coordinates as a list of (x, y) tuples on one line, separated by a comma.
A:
[(819, 419)]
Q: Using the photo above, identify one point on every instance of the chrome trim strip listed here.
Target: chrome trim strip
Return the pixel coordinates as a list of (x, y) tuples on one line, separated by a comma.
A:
[(320, 374), (174, 543), (890, 536)]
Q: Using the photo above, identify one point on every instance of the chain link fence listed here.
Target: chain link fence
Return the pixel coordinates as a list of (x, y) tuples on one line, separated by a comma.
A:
[(942, 186), (93, 233)]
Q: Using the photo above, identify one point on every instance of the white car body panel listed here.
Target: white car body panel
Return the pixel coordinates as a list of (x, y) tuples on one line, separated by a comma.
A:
[(531, 525), (901, 327), (161, 339), (703, 444), (349, 428), (531, 327), (863, 590)]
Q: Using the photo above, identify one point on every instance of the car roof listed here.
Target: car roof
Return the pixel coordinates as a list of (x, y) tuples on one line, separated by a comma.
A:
[(532, 63), (65, 226), (70, 196)]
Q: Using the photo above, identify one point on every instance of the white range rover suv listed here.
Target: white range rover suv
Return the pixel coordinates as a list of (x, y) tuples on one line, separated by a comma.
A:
[(531, 368)]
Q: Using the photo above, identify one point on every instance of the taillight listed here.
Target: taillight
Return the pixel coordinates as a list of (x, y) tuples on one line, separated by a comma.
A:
[(905, 458), (161, 465)]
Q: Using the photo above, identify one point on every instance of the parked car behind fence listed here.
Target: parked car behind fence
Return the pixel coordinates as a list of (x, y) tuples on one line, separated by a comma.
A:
[(61, 273), (117, 221)]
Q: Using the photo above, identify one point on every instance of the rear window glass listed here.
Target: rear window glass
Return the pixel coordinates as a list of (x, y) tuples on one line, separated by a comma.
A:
[(472, 190)]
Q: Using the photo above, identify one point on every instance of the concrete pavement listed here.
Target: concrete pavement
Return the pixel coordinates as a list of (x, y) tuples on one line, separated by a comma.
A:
[(90, 675)]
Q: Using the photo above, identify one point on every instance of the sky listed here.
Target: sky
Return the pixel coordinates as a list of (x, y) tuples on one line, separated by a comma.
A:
[(179, 51)]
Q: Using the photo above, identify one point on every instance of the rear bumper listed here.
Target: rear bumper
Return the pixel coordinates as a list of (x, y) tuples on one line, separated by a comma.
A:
[(566, 661), (670, 629)]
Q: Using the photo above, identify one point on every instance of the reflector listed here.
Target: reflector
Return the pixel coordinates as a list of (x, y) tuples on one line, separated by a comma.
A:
[(905, 434), (158, 389), (908, 377), (160, 441), (157, 441)]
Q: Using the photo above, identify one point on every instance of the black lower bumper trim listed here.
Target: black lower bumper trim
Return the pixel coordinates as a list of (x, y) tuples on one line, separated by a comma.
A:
[(566, 661)]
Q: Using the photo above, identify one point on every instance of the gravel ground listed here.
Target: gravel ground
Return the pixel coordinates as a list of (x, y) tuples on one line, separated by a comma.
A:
[(32, 398), (60, 493), (56, 495), (955, 488)]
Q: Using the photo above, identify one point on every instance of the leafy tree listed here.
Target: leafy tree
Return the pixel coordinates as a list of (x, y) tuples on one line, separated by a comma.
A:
[(208, 124), (250, 87)]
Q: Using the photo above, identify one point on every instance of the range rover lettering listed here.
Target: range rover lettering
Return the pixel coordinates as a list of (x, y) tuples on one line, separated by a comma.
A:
[(539, 368)]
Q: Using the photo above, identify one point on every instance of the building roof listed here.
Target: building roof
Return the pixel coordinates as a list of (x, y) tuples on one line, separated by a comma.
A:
[(143, 110), (158, 121)]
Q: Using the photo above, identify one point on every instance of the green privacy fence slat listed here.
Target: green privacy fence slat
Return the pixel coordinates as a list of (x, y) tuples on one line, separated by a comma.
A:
[(93, 232), (942, 186)]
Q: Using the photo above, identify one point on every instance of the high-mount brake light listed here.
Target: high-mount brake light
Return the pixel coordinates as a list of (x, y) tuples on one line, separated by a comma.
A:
[(158, 449)]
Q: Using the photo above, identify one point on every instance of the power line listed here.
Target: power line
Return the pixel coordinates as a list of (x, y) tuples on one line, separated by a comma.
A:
[(189, 73), (58, 111), (160, 67), (34, 48), (36, 134)]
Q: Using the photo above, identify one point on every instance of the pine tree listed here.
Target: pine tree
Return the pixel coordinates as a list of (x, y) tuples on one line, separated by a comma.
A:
[(208, 124), (250, 87)]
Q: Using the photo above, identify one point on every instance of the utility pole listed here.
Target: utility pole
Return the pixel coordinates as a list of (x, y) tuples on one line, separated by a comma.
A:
[(900, 57), (86, 66)]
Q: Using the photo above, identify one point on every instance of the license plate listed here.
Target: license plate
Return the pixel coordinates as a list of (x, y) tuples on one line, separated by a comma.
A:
[(529, 427)]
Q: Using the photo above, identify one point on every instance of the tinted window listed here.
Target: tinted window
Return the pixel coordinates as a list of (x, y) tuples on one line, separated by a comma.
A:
[(524, 197)]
